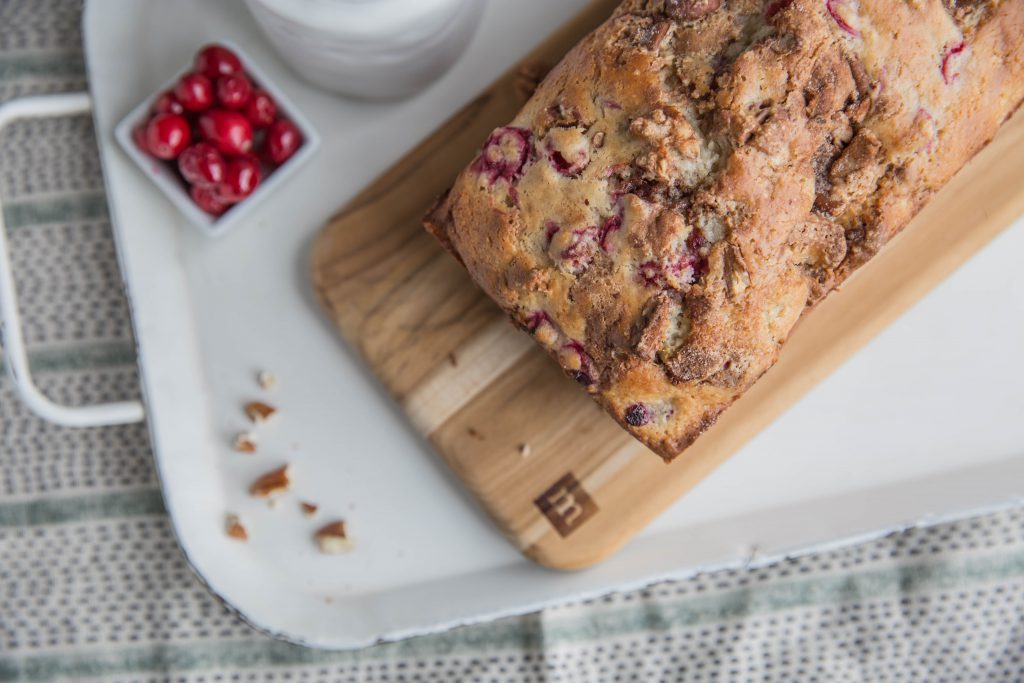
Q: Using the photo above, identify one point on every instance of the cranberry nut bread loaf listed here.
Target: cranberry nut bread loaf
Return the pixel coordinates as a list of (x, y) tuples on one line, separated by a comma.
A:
[(698, 173)]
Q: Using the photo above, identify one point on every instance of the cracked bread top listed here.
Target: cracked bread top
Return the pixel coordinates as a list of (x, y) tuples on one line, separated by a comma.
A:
[(696, 174)]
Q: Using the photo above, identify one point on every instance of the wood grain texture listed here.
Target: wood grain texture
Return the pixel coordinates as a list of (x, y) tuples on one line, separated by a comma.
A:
[(480, 391)]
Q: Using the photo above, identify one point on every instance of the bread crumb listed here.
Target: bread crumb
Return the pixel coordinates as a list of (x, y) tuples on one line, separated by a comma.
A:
[(524, 450), (308, 509), (235, 530)]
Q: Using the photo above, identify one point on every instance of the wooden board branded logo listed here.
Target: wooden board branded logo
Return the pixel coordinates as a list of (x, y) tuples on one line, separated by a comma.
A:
[(566, 505)]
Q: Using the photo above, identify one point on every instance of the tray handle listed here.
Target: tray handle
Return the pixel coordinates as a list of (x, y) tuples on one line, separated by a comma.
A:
[(105, 414)]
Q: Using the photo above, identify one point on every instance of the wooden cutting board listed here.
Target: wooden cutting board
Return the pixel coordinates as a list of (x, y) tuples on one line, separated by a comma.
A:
[(562, 481)]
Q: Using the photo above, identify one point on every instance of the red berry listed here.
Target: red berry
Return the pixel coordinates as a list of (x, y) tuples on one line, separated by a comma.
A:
[(202, 164), (505, 154), (240, 179), (261, 109), (228, 131), (215, 61), (195, 92), (233, 91), (638, 415), (139, 137), (950, 57), (283, 139), (167, 103), (167, 135), (206, 198)]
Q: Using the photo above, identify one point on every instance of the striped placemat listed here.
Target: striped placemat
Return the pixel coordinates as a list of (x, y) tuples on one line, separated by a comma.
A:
[(93, 586)]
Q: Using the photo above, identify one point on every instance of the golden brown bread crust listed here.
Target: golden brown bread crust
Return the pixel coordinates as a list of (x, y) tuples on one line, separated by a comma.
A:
[(696, 173)]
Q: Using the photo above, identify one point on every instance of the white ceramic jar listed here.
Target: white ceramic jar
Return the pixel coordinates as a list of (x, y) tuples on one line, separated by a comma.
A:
[(369, 48)]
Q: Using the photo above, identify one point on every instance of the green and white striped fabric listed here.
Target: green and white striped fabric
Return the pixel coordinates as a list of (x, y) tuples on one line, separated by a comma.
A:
[(94, 588)]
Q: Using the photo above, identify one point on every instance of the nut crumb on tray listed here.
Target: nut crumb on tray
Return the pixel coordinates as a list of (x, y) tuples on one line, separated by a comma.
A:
[(333, 538), (244, 443), (272, 483), (235, 530), (267, 380), (258, 411), (308, 509)]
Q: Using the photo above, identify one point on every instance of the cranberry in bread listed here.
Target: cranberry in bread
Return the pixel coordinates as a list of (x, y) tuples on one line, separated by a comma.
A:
[(696, 174)]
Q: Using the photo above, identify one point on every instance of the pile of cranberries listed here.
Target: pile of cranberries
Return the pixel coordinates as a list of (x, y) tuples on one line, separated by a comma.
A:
[(221, 129)]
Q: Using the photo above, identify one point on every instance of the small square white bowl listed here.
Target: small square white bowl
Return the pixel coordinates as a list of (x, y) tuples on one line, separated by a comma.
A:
[(166, 177)]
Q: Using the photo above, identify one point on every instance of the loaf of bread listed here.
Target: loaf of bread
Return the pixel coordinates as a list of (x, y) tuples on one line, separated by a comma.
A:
[(696, 174)]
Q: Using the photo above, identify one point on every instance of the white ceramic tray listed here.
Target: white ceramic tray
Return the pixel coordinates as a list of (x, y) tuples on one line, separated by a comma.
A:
[(923, 423)]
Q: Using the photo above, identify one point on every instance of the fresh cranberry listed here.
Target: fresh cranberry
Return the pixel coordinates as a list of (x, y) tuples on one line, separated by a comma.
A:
[(234, 91), (194, 91), (202, 164), (228, 131), (950, 60), (261, 110), (167, 103), (833, 9), (206, 198), (167, 135), (240, 179), (283, 138), (139, 137), (637, 415), (505, 154), (215, 61)]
